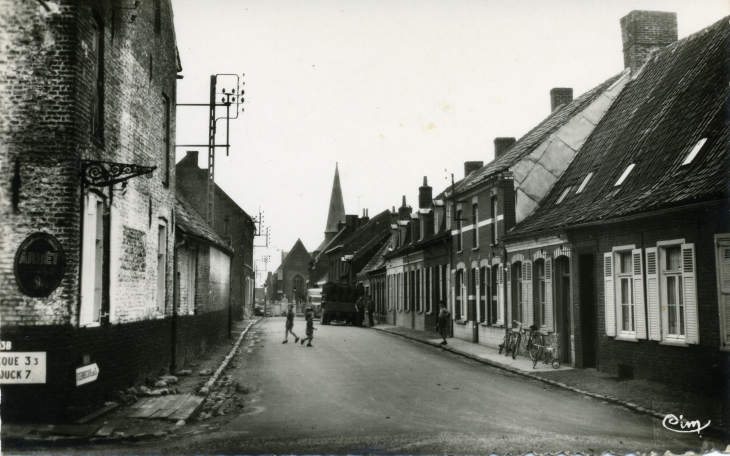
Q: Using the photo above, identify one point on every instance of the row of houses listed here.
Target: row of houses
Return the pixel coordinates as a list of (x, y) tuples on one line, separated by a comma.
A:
[(606, 225), (108, 271)]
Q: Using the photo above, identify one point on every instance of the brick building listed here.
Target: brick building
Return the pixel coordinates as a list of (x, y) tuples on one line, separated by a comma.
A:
[(418, 262), (491, 199), (88, 106), (202, 282), (231, 223), (639, 219)]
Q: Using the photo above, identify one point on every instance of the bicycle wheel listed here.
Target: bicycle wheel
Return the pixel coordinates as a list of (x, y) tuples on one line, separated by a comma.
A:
[(516, 345), (535, 352)]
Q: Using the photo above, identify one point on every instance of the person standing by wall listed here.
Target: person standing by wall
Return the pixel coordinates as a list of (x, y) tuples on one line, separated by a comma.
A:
[(360, 311), (370, 307), (443, 323), (290, 325)]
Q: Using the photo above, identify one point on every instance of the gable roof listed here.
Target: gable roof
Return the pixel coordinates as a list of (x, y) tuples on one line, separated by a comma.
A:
[(532, 139), (364, 234), (190, 222), (378, 260), (679, 97)]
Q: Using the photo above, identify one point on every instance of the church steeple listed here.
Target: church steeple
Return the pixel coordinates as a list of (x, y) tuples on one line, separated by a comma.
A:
[(337, 207)]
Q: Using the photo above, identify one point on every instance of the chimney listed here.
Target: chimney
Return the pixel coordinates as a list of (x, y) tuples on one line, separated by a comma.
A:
[(364, 219), (192, 157), (502, 144), (404, 212), (472, 166), (560, 96), (644, 31), (351, 221), (425, 195)]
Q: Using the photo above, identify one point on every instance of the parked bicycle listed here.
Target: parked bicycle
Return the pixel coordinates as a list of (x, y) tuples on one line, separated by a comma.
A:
[(512, 340), (539, 348)]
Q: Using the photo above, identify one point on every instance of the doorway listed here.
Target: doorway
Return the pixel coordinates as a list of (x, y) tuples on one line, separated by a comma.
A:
[(562, 296), (588, 323)]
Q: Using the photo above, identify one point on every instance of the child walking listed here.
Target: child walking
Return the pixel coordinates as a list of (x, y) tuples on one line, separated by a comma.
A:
[(290, 325), (310, 327)]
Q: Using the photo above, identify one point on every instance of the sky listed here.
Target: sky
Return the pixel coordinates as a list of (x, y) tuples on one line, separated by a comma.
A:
[(391, 91)]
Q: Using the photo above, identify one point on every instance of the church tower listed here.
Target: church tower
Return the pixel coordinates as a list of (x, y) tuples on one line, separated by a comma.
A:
[(337, 209)]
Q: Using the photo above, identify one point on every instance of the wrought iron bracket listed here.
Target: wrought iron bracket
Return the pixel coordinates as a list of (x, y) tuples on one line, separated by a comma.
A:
[(106, 174)]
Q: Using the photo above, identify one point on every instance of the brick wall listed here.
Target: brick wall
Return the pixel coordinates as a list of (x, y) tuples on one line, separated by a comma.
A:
[(191, 182), (45, 126), (678, 365)]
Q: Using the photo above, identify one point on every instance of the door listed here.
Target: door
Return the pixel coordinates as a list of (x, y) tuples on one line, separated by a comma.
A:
[(588, 322), (562, 306)]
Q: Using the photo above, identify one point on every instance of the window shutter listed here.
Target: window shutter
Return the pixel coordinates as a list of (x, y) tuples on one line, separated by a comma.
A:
[(724, 285), (549, 294), (639, 310), (527, 292), (690, 293), (608, 302), (503, 297), (88, 264), (652, 295)]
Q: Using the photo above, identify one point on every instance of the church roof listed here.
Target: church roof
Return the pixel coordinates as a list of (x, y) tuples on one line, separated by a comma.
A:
[(337, 205)]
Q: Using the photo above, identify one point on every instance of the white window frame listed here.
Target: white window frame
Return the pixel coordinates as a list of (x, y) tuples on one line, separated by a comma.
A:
[(664, 275), (658, 295), (92, 260), (612, 294)]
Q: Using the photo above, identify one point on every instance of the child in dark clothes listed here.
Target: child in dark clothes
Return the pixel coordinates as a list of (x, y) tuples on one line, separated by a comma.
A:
[(309, 316)]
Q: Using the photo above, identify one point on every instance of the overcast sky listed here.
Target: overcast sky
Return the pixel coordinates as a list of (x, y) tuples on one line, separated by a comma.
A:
[(392, 90)]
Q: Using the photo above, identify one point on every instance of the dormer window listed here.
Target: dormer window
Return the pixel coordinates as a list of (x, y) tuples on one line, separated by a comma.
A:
[(624, 175), (565, 193), (695, 150), (585, 182)]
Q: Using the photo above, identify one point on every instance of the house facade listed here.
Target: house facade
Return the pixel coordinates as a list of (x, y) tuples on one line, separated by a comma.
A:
[(637, 226), (492, 287), (87, 243), (417, 263), (231, 223)]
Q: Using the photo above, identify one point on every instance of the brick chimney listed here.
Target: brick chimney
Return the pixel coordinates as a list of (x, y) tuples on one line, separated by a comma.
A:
[(425, 195), (472, 166), (501, 145), (560, 96), (191, 158), (644, 31), (365, 218)]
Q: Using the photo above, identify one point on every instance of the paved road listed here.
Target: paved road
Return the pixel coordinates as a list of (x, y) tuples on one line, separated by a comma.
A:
[(359, 390)]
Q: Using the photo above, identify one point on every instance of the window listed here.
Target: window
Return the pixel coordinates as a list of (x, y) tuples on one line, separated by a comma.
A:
[(494, 219), (459, 243), (97, 82), (458, 285), (427, 290), (624, 293), (517, 292), (192, 268), (624, 175), (540, 292), (585, 182), (471, 298), (165, 140), (418, 307), (564, 194), (158, 16), (161, 268), (92, 260), (671, 294), (695, 150), (484, 295), (722, 258), (673, 291), (475, 224)]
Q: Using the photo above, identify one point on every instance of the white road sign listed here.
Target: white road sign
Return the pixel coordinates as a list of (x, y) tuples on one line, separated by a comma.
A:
[(22, 367)]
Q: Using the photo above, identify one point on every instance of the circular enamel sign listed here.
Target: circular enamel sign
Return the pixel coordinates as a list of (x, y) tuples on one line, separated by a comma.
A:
[(39, 265)]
